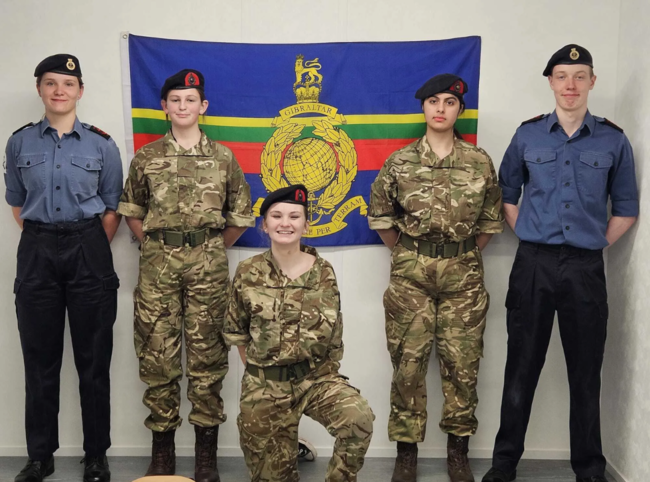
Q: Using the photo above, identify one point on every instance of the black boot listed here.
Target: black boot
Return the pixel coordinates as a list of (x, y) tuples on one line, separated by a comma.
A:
[(406, 463), (163, 454), (36, 471), (96, 469), (457, 461), (205, 454)]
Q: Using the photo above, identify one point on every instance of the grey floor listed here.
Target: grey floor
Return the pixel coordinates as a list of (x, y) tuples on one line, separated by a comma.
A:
[(232, 469)]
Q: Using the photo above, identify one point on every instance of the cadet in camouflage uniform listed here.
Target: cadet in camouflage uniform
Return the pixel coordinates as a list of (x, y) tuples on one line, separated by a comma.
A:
[(187, 201), (284, 315), (436, 203)]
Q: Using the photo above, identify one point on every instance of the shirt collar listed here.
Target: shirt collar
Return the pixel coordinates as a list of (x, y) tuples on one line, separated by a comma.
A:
[(430, 159), (173, 148), (309, 279), (76, 128), (588, 121)]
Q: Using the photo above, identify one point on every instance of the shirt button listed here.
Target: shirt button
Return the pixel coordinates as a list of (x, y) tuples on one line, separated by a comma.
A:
[(596, 164), (567, 227), (28, 163), (58, 209), (567, 206), (58, 188), (87, 165), (567, 184), (568, 162), (539, 160), (59, 146), (58, 166)]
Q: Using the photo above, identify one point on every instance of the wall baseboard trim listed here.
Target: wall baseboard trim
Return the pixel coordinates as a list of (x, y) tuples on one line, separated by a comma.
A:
[(614, 472), (230, 451)]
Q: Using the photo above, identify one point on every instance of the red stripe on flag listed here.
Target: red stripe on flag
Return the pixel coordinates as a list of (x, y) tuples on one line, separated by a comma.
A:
[(371, 153)]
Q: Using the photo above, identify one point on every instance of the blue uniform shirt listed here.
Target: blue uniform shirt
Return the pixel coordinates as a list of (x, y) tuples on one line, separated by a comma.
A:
[(57, 180), (567, 181)]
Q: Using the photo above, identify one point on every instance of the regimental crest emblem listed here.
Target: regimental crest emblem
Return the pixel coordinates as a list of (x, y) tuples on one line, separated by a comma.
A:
[(308, 148), (70, 65), (574, 54)]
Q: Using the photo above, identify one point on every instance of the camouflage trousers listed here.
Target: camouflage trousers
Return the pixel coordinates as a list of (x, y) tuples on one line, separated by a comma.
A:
[(271, 412), (182, 292), (441, 301)]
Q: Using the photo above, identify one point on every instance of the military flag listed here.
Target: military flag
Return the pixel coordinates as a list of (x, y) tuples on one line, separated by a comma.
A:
[(324, 115)]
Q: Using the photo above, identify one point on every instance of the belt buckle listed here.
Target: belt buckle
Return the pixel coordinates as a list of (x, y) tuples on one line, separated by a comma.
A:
[(291, 372), (440, 250)]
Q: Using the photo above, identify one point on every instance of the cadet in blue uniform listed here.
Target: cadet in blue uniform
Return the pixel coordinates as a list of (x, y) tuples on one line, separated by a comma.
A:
[(569, 163), (64, 181)]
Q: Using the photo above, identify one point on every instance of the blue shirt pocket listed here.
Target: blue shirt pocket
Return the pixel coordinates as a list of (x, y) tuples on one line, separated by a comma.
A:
[(593, 172), (542, 167), (32, 170), (85, 175)]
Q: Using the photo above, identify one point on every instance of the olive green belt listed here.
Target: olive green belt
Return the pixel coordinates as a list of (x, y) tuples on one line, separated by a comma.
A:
[(184, 238), (437, 250), (283, 373)]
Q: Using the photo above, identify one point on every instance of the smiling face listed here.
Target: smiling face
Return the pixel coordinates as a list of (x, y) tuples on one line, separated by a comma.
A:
[(184, 106), (59, 93), (285, 223), (441, 112), (571, 85)]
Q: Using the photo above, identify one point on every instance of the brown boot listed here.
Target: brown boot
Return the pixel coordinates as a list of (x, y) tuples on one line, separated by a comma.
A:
[(205, 454), (163, 454), (406, 463), (457, 462)]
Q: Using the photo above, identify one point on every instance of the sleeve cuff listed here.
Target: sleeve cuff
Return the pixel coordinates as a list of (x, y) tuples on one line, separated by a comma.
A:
[(490, 227), (383, 222), (236, 339), (131, 210), (15, 199), (625, 208), (240, 220), (111, 200), (511, 195)]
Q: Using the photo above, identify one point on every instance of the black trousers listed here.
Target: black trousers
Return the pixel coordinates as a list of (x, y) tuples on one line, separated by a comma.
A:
[(66, 267), (571, 281)]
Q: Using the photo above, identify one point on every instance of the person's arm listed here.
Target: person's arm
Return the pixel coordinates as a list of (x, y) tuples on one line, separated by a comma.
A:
[(511, 212), (110, 222), (135, 225), (242, 353), (389, 237), (490, 220), (231, 234), (15, 210), (617, 226), (482, 239)]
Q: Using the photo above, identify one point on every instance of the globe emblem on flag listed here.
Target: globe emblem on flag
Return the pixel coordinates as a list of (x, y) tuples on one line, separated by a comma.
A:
[(311, 162)]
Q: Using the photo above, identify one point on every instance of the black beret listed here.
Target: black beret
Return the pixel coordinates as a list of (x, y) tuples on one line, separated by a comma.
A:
[(185, 79), (567, 55), (296, 194), (443, 83), (61, 64)]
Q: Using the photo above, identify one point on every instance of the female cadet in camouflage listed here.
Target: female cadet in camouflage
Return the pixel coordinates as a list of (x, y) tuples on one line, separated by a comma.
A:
[(436, 203), (186, 200), (284, 315)]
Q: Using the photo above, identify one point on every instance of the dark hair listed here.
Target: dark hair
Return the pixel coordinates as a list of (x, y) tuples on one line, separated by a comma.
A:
[(40, 77), (201, 94)]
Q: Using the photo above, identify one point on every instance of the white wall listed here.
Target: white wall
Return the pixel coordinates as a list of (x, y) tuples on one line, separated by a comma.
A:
[(518, 38), (626, 384)]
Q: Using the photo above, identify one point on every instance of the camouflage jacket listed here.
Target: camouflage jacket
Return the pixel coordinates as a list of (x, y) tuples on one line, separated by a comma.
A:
[(172, 187), (283, 321), (446, 199)]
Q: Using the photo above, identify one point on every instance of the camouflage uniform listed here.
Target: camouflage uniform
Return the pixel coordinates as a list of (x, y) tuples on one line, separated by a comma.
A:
[(182, 291), (435, 299), (283, 322)]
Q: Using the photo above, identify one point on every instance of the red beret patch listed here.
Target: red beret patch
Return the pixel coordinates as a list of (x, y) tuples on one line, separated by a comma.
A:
[(300, 196), (192, 80)]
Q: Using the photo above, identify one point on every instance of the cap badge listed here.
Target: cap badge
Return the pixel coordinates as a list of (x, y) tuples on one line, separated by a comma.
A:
[(575, 55), (300, 196), (70, 65), (191, 80)]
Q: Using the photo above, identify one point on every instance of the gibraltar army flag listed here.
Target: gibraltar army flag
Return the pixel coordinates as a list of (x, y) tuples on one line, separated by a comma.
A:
[(324, 115)]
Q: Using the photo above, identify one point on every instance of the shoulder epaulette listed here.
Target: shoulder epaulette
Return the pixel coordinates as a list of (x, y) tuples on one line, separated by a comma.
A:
[(609, 123), (98, 131), (535, 119), (30, 124)]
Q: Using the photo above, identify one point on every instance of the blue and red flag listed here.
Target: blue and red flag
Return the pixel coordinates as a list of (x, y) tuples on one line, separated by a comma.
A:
[(324, 115)]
